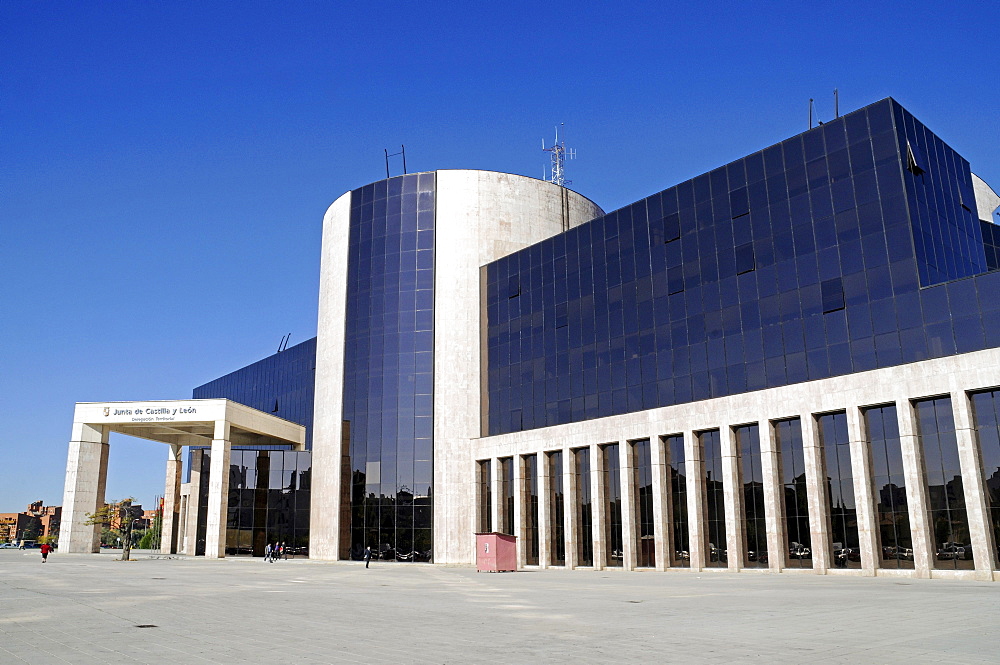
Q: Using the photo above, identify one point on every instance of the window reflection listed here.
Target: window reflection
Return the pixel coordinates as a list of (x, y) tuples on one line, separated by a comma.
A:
[(845, 549), (530, 478), (613, 509), (986, 411), (643, 480), (751, 476), (585, 515), (485, 495), (945, 490), (788, 435), (896, 545), (680, 555), (716, 554), (388, 369), (557, 545)]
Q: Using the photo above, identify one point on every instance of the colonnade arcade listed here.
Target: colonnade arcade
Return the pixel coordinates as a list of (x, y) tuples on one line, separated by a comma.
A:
[(908, 484)]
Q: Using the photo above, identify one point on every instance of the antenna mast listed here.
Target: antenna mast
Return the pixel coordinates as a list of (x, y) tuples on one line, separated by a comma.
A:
[(559, 153)]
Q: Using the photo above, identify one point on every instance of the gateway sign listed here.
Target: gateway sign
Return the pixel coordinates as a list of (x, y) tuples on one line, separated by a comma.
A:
[(151, 413)]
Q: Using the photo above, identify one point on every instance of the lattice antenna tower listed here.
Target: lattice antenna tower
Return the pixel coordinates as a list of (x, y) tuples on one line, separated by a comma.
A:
[(559, 153)]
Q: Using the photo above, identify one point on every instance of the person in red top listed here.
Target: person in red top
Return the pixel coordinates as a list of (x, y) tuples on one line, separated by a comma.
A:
[(46, 548)]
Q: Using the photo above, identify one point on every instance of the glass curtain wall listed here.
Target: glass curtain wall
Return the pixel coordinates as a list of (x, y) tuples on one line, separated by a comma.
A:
[(557, 529), (715, 501), (680, 556), (986, 413), (507, 495), (585, 543), (896, 544), (388, 367), (530, 467), (752, 477), (269, 493), (613, 518), (643, 479), (485, 495), (841, 504), (945, 490), (796, 503)]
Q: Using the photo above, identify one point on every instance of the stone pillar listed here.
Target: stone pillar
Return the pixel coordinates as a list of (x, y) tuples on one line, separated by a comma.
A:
[(774, 514), (171, 501), (86, 476), (864, 494), (193, 504), (519, 527), (732, 490), (628, 491), (816, 494), (697, 509), (545, 508), (969, 458), (916, 489), (599, 507), (571, 509), (218, 493), (661, 492)]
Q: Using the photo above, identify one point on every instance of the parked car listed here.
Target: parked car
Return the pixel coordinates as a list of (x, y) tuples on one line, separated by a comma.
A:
[(8, 546)]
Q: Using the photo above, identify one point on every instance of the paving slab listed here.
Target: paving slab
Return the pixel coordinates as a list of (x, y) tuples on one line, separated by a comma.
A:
[(81, 608)]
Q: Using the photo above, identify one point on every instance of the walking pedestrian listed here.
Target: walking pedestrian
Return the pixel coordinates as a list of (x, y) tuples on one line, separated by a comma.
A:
[(46, 548), (284, 552), (368, 555), (267, 552)]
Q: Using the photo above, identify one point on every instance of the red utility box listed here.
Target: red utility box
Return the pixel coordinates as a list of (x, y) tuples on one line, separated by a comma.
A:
[(496, 552)]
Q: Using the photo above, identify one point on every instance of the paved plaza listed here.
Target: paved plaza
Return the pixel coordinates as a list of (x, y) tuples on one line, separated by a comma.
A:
[(93, 609)]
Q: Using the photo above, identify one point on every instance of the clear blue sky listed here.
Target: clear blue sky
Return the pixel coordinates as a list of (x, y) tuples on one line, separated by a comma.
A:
[(164, 167)]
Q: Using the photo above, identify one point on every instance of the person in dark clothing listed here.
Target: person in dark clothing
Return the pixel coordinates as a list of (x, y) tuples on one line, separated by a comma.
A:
[(368, 555), (46, 548)]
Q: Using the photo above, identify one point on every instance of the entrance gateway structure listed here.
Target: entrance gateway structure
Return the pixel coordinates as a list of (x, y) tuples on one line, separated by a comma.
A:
[(215, 423)]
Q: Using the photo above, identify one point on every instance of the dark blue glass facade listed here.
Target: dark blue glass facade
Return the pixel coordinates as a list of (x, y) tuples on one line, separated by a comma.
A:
[(849, 247), (282, 385), (388, 367)]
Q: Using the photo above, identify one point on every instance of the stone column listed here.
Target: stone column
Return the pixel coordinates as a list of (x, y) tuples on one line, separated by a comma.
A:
[(697, 515), (969, 458), (916, 489), (774, 514), (193, 504), (171, 500), (864, 494), (816, 494), (545, 508), (628, 491), (571, 509), (661, 491), (599, 507), (218, 493), (519, 529), (732, 491), (86, 476)]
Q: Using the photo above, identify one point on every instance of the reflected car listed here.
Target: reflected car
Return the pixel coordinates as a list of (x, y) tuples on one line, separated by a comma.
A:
[(952, 551)]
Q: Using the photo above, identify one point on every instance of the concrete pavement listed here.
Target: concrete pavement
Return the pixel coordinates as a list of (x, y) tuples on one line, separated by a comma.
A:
[(91, 609)]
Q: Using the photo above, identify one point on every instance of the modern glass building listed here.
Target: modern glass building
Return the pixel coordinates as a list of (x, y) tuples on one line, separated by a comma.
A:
[(789, 362), (269, 494)]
